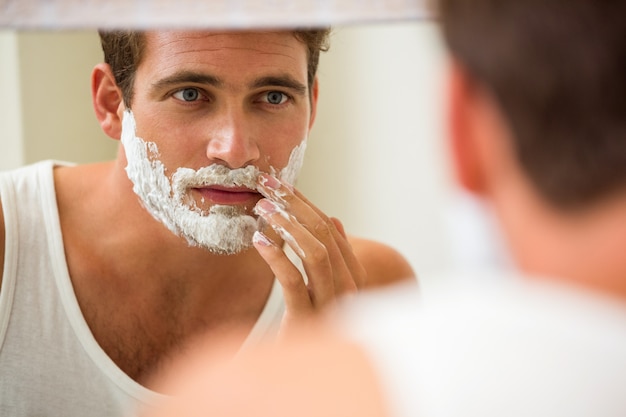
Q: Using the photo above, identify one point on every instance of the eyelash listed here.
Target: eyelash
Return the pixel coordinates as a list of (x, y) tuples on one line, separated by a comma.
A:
[(286, 97), (203, 96)]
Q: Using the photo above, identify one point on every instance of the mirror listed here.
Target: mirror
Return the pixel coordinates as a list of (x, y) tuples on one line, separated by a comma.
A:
[(375, 159)]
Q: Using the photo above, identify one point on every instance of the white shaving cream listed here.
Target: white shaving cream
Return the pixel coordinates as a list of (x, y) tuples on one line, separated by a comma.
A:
[(223, 229)]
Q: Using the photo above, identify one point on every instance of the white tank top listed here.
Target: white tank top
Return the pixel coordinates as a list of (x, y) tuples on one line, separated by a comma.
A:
[(50, 363)]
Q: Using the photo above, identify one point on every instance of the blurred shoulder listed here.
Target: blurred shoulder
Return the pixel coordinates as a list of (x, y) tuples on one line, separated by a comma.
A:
[(383, 264), (313, 373)]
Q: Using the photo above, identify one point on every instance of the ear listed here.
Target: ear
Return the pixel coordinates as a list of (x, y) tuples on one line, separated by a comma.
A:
[(314, 94), (107, 100), (464, 130)]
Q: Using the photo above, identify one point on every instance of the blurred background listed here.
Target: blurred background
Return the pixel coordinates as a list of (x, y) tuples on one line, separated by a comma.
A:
[(376, 158)]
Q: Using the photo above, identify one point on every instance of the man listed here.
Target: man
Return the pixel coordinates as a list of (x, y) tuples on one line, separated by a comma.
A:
[(537, 123), (111, 269)]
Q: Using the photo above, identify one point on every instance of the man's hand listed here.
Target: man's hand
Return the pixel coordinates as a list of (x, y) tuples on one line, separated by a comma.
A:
[(320, 242)]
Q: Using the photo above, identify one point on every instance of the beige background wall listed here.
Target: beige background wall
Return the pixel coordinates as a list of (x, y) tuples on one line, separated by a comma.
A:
[(11, 153), (52, 115), (375, 158)]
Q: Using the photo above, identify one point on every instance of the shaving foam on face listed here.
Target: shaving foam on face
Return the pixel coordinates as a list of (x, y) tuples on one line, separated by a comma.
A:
[(224, 229), (290, 172)]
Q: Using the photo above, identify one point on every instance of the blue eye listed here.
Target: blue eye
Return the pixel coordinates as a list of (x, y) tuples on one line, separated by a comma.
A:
[(276, 97), (187, 94)]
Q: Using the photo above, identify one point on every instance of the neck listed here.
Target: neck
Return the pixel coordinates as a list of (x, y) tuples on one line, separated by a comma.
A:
[(583, 248)]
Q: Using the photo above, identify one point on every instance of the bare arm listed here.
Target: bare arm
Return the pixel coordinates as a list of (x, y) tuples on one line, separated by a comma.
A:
[(383, 264)]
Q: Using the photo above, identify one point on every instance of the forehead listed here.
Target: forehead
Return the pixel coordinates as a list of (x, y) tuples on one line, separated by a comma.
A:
[(226, 52)]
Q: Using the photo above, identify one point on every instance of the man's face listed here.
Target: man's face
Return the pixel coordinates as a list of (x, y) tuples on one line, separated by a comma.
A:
[(209, 111)]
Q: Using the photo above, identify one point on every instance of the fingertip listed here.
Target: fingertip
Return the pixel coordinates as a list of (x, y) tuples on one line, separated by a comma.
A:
[(339, 226), (260, 239), (265, 207)]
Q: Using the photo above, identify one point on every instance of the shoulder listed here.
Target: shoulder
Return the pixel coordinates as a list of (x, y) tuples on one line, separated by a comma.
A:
[(383, 264), (16, 180)]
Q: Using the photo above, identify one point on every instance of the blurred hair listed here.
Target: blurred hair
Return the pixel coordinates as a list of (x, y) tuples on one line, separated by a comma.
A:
[(557, 69), (123, 51)]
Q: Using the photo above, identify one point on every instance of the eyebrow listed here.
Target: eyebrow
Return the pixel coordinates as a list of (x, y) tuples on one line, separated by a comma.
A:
[(285, 80), (187, 77)]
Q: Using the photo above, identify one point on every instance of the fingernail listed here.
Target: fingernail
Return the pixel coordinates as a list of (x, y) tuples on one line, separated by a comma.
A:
[(269, 181), (261, 239), (265, 207)]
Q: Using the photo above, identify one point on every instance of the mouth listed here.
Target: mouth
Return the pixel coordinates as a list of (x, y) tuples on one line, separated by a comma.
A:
[(224, 195)]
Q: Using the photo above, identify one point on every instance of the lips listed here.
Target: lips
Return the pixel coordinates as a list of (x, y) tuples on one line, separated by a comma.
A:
[(228, 195)]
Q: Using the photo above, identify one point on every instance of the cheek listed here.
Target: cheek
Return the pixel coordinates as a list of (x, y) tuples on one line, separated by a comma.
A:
[(176, 145), (277, 154), (283, 148)]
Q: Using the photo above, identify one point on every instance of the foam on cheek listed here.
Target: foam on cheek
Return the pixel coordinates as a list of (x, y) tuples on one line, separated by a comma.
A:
[(146, 172), (288, 175), (290, 172)]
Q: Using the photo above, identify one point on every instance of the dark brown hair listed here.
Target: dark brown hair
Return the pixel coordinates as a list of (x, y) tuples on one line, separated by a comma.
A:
[(123, 51), (557, 69)]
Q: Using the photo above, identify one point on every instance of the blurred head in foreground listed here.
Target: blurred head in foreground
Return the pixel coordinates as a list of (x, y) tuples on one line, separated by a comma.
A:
[(537, 123)]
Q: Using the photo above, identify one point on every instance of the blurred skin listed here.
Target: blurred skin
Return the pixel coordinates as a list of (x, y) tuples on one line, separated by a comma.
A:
[(303, 377)]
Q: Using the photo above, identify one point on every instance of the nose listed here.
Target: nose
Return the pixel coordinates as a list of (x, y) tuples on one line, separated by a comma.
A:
[(232, 140)]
